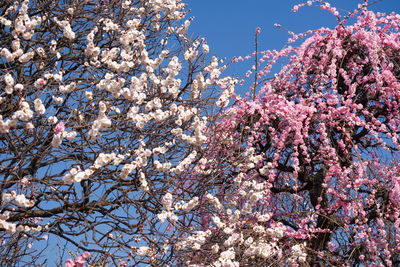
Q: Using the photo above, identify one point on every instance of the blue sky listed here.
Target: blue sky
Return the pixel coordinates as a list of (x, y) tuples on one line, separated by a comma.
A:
[(229, 25)]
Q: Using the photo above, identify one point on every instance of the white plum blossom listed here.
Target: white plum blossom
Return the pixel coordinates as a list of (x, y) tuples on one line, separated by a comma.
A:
[(19, 199), (26, 57), (9, 80), (206, 49), (142, 251), (39, 107)]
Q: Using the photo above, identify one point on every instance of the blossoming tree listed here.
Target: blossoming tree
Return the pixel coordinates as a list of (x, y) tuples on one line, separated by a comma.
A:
[(100, 101), (306, 171)]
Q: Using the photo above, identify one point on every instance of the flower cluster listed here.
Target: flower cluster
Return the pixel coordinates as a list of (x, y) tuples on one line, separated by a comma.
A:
[(19, 199), (79, 262)]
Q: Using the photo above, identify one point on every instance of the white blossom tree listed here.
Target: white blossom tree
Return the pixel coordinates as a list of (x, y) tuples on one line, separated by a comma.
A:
[(102, 102)]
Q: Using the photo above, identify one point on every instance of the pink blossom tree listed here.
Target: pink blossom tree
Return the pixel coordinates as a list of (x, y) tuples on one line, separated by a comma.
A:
[(305, 172)]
